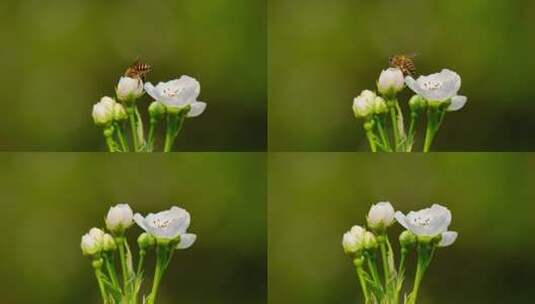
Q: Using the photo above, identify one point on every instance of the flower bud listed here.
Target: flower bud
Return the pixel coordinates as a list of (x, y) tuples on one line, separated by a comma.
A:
[(391, 81), (380, 216), (129, 89), (370, 242), (103, 111), (407, 238), (119, 113), (145, 241), (417, 103), (379, 106), (108, 244), (363, 105), (353, 240), (91, 243), (157, 110), (119, 218)]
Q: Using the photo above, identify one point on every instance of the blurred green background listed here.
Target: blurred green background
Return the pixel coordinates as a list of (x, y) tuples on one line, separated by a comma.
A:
[(49, 200), (323, 53), (59, 57), (315, 197)]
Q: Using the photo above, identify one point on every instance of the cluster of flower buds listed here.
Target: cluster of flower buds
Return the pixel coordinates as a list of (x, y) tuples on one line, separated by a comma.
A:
[(426, 230), (175, 100), (435, 95), (165, 232)]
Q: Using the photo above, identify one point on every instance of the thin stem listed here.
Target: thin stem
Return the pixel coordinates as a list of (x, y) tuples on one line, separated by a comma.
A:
[(424, 257), (394, 120), (110, 142), (384, 257), (373, 268), (382, 134), (108, 259), (161, 263), (175, 122), (402, 259), (121, 136), (368, 127), (122, 256), (132, 117), (142, 254), (361, 273), (151, 138), (412, 131), (97, 265), (435, 115)]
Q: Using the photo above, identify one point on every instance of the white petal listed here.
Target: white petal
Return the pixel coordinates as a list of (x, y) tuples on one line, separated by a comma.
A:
[(400, 217), (186, 240), (152, 91), (448, 238), (412, 84), (140, 221), (197, 108), (457, 103)]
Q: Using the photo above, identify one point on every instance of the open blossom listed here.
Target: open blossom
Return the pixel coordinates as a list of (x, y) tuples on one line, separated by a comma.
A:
[(390, 81), (439, 87), (381, 215), (178, 93), (119, 218), (168, 225), (354, 240), (429, 223), (129, 88)]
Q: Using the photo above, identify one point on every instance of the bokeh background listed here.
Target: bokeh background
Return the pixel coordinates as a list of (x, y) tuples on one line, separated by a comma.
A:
[(60, 56), (49, 200), (323, 53), (315, 198)]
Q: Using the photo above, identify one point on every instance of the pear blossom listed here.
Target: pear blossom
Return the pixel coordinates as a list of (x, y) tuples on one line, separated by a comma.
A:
[(380, 216), (119, 218), (168, 225), (178, 94), (364, 104), (354, 240), (390, 81), (103, 111), (129, 88), (429, 223), (439, 87)]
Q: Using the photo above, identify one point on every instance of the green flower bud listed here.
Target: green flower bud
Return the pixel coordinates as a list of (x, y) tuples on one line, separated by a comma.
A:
[(119, 113), (407, 238), (108, 243), (380, 105), (370, 242), (157, 110), (145, 241), (417, 103)]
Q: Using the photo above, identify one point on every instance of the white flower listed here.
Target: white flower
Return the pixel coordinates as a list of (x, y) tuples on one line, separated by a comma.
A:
[(429, 223), (129, 88), (103, 111), (178, 93), (119, 218), (168, 225), (439, 87), (364, 104), (380, 216), (91, 243), (353, 240), (390, 81)]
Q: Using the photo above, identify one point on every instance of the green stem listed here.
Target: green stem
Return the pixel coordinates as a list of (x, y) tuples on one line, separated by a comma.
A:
[(108, 259), (382, 134), (175, 121), (435, 115), (394, 120), (132, 117), (161, 264), (121, 136), (412, 131), (122, 256), (110, 142), (142, 254), (97, 266), (372, 265), (361, 273), (151, 138), (424, 258), (384, 257), (402, 259), (368, 127)]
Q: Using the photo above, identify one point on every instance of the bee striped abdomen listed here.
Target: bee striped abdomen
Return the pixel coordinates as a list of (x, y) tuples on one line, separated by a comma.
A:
[(404, 63), (138, 70)]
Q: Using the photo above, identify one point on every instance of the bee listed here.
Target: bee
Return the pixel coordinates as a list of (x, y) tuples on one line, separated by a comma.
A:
[(403, 62), (138, 70)]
